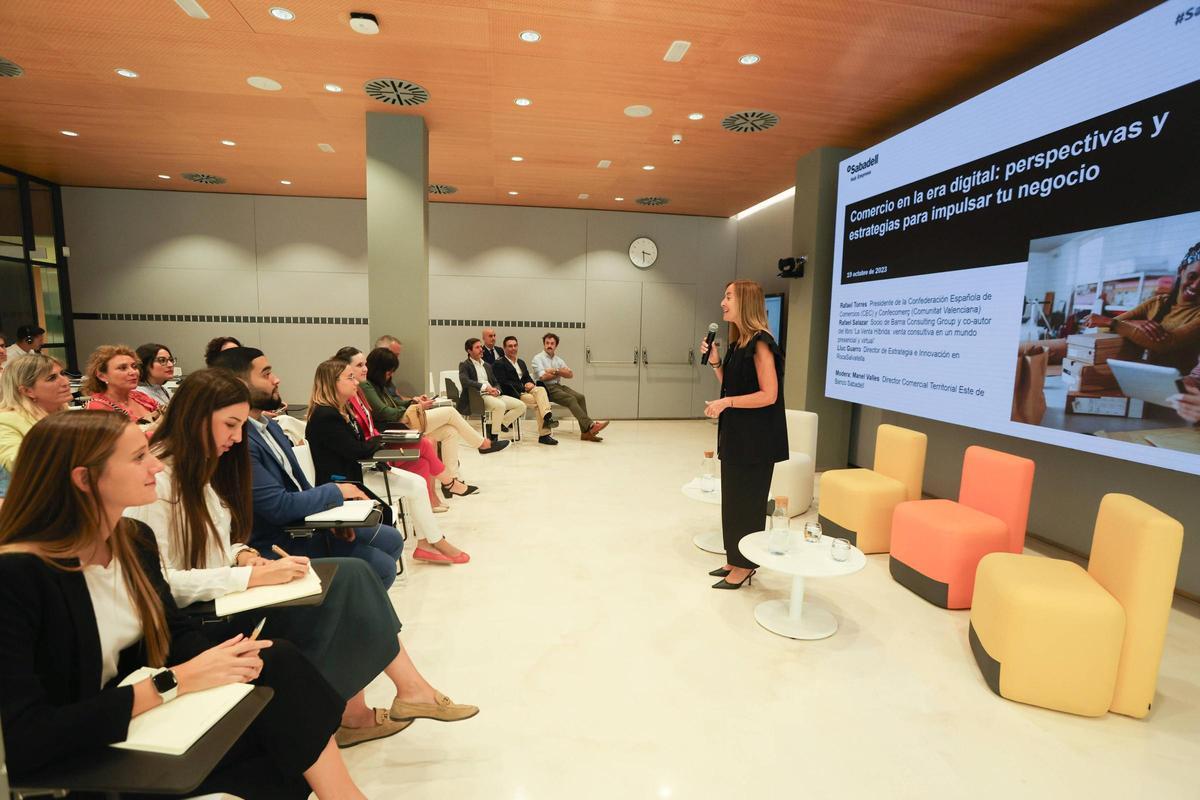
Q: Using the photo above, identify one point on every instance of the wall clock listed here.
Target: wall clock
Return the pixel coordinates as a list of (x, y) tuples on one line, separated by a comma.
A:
[(643, 252)]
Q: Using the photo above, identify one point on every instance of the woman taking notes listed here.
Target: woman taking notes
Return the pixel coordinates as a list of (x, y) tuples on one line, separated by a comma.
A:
[(204, 510), (752, 427), (83, 603)]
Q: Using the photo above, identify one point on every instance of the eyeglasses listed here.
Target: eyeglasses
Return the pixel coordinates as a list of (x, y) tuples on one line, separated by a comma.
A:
[(164, 360)]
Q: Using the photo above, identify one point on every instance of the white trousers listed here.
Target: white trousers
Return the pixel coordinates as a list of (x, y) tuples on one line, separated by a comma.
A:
[(505, 410), (447, 427), (411, 486)]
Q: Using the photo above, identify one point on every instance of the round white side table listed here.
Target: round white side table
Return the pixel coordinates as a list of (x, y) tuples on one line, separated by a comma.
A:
[(793, 617), (709, 541)]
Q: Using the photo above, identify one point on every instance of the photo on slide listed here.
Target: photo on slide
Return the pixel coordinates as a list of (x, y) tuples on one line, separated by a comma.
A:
[(1110, 333)]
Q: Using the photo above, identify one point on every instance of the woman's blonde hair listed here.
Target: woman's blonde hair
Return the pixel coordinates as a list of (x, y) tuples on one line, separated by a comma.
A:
[(752, 311), (24, 373), (98, 363), (324, 390), (48, 516)]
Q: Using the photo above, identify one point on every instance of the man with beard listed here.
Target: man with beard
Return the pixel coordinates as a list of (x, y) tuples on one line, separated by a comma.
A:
[(282, 495)]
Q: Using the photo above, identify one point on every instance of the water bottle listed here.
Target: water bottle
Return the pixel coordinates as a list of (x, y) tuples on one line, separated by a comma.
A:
[(779, 539), (708, 470)]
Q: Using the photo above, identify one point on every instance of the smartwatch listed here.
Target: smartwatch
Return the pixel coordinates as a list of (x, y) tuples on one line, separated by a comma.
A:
[(166, 685)]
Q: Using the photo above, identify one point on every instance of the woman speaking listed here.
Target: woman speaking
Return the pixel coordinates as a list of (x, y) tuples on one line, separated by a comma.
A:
[(752, 428)]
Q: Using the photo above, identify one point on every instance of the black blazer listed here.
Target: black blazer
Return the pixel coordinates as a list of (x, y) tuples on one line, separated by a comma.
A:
[(336, 445), (51, 701), (466, 379), (511, 383), (493, 355)]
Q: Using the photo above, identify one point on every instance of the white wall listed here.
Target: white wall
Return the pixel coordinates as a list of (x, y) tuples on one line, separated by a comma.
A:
[(261, 258)]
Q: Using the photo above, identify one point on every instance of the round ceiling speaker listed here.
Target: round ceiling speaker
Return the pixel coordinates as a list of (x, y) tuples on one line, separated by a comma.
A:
[(652, 201), (442, 188), (203, 177), (396, 92), (10, 69), (749, 121)]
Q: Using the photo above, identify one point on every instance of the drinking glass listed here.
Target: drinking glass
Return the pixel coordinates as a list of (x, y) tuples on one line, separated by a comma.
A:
[(812, 532), (839, 549)]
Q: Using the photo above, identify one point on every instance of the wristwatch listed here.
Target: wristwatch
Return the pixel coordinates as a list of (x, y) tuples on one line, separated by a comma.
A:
[(166, 685)]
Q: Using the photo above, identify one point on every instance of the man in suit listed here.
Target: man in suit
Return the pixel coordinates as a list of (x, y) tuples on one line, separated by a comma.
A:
[(282, 494), (515, 381), (492, 353), (476, 374)]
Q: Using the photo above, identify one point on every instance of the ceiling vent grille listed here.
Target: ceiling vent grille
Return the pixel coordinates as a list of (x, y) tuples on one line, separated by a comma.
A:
[(203, 177), (10, 69), (442, 188), (749, 121), (652, 201), (396, 92)]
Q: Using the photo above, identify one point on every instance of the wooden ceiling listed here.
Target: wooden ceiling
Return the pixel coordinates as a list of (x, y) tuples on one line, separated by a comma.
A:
[(835, 72)]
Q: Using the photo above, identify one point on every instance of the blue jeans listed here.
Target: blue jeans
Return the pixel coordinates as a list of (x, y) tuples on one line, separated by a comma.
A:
[(379, 547)]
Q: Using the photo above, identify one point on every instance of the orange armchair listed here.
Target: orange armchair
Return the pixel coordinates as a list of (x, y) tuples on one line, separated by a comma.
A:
[(937, 544)]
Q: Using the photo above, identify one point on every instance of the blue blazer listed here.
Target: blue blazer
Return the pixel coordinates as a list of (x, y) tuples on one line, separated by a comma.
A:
[(277, 501)]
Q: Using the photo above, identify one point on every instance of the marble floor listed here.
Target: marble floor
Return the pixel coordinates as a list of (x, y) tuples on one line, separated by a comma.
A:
[(605, 666)]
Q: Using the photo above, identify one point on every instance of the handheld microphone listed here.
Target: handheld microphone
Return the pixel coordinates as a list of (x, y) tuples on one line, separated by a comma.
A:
[(708, 341)]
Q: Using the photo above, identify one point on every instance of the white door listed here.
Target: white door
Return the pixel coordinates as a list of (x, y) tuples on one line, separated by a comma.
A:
[(612, 357), (667, 350)]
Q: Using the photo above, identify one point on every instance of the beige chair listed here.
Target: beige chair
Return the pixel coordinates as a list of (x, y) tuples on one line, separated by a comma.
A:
[(794, 478)]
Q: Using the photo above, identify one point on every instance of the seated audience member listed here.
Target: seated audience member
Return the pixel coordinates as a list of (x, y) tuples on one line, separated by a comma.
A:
[(1167, 325), (475, 373), (32, 388), (444, 425), (156, 366), (215, 346), (83, 603), (428, 465), (391, 343), (283, 495), (515, 381), (338, 443), (492, 352), (30, 339), (204, 513), (550, 369), (111, 380)]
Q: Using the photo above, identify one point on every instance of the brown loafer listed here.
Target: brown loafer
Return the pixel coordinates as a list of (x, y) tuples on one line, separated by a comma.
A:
[(442, 709), (599, 426), (384, 727), (588, 436)]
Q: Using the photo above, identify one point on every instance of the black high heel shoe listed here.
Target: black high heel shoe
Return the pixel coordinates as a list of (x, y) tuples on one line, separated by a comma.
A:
[(724, 584), (448, 494), (719, 572)]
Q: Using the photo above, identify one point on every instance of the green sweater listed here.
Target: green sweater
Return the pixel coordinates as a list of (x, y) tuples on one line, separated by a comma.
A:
[(384, 407)]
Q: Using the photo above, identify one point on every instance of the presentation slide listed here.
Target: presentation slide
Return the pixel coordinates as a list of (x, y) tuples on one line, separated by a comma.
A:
[(990, 261)]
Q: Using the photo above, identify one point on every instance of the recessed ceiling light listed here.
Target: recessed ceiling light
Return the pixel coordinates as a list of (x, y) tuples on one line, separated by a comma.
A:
[(266, 84), (695, 115), (325, 148), (604, 163), (512, 194), (229, 142), (584, 195), (279, 12), (619, 199), (523, 101), (68, 133), (638, 111), (648, 167), (165, 177), (332, 87), (518, 158), (126, 73), (530, 36), (749, 58), (286, 183)]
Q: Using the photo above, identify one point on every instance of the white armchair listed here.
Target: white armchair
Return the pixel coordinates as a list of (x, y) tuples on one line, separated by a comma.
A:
[(793, 478)]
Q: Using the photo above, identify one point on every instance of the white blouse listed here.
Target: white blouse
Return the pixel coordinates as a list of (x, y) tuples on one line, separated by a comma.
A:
[(117, 621), (219, 576)]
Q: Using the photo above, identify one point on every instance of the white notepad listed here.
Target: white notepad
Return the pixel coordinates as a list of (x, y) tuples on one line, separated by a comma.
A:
[(259, 596), (174, 727), (352, 511)]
